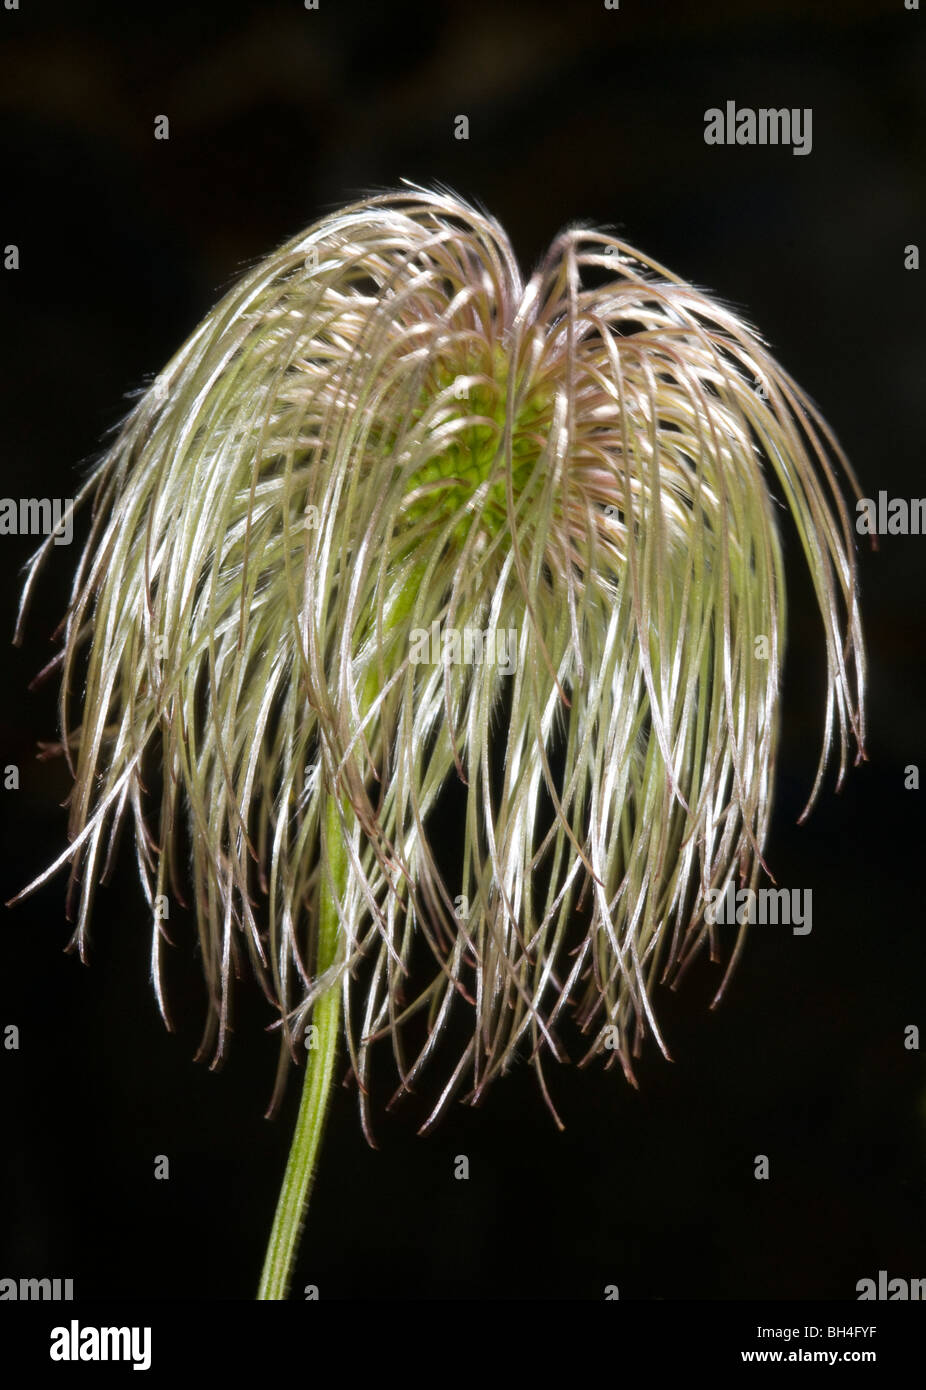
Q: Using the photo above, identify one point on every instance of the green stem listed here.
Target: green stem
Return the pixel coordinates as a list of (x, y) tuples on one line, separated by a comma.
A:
[(300, 1167)]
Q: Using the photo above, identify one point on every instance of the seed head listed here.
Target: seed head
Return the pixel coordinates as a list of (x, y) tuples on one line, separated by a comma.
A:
[(382, 450)]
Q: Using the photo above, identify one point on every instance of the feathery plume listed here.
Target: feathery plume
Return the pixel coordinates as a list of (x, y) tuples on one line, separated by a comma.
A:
[(394, 519)]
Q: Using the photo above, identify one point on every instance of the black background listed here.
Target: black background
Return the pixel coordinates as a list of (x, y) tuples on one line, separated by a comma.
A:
[(278, 115)]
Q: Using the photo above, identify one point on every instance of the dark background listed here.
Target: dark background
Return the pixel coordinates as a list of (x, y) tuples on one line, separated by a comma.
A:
[(278, 115)]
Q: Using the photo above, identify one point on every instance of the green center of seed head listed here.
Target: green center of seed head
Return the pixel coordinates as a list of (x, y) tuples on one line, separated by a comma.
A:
[(474, 393)]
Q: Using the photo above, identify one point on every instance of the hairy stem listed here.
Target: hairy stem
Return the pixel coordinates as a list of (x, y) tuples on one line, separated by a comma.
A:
[(303, 1154)]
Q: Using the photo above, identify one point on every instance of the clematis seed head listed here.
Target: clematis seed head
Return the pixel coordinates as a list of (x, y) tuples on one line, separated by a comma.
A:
[(382, 431)]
